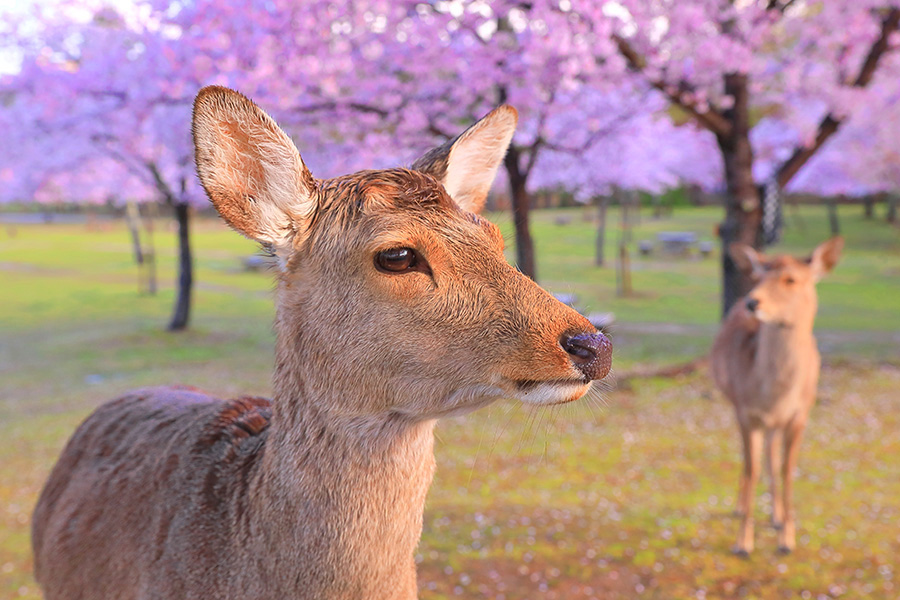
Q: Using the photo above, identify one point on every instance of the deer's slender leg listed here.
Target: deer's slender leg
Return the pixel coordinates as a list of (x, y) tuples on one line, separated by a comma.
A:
[(793, 435), (740, 508), (752, 439), (773, 460)]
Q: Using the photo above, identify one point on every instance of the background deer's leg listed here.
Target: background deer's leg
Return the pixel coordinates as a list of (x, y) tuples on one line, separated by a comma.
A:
[(773, 459), (792, 437), (740, 508), (752, 439)]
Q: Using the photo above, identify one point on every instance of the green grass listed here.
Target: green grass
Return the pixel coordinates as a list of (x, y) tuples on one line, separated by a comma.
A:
[(858, 299), (631, 498), (860, 294)]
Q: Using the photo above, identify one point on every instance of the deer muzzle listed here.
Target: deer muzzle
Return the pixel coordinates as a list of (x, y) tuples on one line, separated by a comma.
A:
[(591, 353)]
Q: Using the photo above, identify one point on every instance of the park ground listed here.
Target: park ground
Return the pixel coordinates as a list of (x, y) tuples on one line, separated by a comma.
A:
[(625, 495)]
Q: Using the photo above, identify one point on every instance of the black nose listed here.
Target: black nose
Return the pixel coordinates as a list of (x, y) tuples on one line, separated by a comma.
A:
[(751, 304), (591, 353)]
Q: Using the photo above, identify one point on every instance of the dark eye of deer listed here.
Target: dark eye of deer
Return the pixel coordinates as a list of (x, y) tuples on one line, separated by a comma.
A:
[(789, 280), (397, 260)]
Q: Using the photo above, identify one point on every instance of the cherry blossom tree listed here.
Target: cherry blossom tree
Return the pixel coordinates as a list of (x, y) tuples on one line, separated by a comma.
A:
[(393, 78), (864, 159), (726, 63), (101, 106), (412, 67)]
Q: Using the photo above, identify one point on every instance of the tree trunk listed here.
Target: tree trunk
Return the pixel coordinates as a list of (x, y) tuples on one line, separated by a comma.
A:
[(602, 203), (520, 207), (892, 208), (833, 221), (657, 206), (634, 198), (623, 262), (743, 209), (150, 250), (869, 207), (623, 281), (181, 315), (144, 252), (133, 220)]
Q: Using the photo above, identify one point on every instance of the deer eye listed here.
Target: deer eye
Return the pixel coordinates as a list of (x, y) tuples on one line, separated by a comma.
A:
[(789, 280), (397, 260)]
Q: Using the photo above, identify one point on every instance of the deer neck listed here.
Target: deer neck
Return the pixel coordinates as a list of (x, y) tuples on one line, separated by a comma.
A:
[(782, 351), (351, 488)]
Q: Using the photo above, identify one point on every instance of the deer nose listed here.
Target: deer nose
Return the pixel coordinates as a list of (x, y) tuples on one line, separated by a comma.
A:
[(591, 353), (752, 304)]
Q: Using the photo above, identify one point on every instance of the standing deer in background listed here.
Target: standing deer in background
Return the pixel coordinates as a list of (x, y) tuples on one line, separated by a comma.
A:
[(395, 307), (766, 362)]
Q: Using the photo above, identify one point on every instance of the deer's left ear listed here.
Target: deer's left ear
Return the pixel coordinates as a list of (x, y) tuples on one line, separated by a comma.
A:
[(468, 164), (251, 170), (825, 256)]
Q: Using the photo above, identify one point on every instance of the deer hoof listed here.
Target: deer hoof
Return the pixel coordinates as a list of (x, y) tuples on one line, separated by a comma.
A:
[(740, 552), (784, 550)]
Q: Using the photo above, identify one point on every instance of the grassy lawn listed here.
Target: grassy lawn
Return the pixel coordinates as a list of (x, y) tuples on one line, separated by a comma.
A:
[(628, 497)]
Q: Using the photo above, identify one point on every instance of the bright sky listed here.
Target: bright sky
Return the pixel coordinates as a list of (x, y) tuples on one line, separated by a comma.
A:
[(9, 57)]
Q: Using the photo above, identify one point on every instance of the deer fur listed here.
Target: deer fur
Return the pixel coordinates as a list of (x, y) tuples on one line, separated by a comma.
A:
[(170, 493), (765, 360)]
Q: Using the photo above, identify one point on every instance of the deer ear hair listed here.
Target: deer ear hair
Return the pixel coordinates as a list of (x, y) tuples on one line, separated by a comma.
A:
[(825, 256), (251, 170), (468, 164), (747, 259)]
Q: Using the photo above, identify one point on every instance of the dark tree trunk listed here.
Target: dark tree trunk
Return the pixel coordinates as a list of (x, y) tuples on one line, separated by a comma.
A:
[(150, 250), (634, 199), (892, 208), (133, 220), (602, 203), (657, 206), (623, 262), (144, 252), (743, 209), (869, 207), (182, 313), (833, 221), (521, 204)]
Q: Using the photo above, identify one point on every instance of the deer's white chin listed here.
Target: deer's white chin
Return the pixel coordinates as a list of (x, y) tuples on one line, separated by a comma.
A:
[(552, 392), (764, 317)]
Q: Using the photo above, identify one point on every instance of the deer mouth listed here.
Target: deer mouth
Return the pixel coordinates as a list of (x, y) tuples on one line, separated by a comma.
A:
[(551, 391)]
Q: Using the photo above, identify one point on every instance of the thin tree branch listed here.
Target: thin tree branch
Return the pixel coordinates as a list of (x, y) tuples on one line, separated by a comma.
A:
[(830, 123), (436, 131), (332, 105), (593, 138), (136, 166), (710, 118), (161, 184), (539, 140), (779, 6)]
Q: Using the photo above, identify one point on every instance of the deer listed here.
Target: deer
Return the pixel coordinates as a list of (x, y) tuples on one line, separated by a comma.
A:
[(766, 362), (395, 307)]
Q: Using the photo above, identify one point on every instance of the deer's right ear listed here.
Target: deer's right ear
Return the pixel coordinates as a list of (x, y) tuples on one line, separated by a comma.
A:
[(468, 164), (251, 170), (747, 259)]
